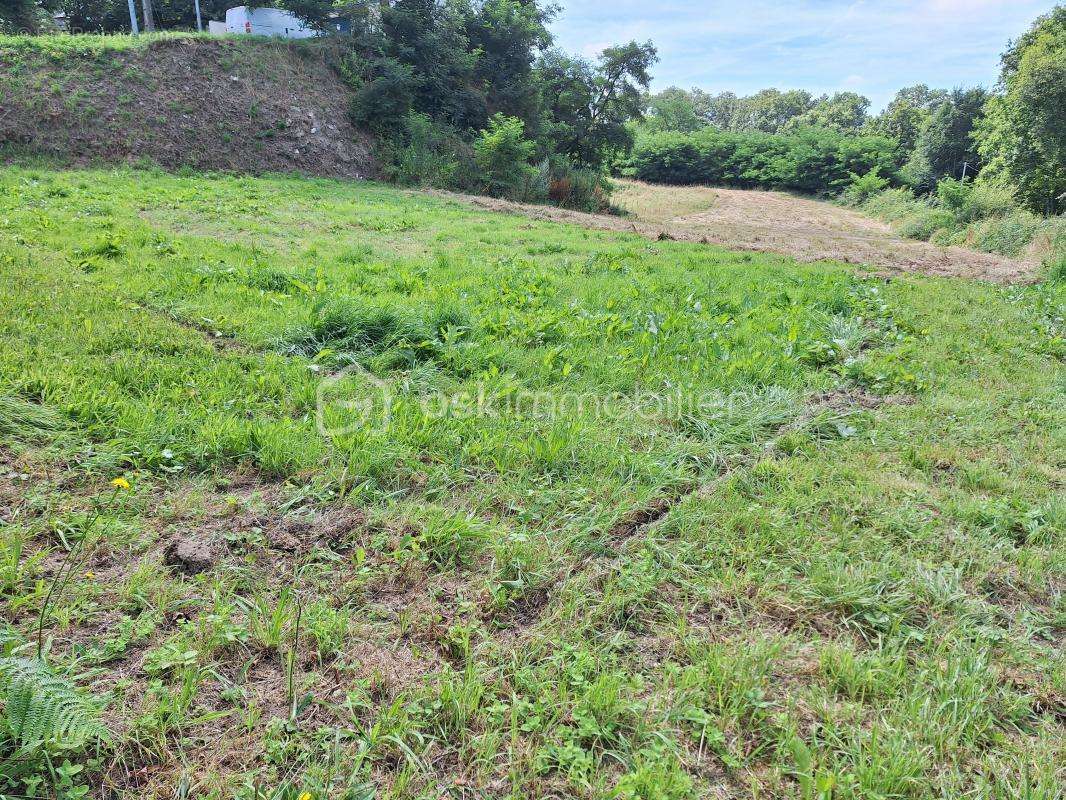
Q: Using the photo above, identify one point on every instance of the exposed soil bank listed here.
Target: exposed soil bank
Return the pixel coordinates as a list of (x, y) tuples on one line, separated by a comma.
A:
[(241, 105)]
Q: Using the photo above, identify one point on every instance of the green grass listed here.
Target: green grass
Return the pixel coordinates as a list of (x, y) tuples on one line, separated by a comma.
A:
[(61, 46), (836, 561)]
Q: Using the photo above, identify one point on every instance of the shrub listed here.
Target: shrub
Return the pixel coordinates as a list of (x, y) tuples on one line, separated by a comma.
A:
[(537, 183), (1008, 235), (502, 154), (893, 205), (811, 160), (383, 93), (988, 200), (428, 153), (864, 186), (925, 223), (578, 188), (953, 195)]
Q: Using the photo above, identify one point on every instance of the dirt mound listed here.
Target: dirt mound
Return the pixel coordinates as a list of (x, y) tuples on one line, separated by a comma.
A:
[(231, 104), (774, 222)]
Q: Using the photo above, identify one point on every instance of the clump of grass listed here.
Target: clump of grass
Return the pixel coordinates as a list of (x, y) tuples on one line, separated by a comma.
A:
[(925, 222), (21, 419), (361, 330)]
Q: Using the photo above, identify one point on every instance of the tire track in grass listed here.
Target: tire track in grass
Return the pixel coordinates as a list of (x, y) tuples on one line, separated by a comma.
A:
[(822, 408)]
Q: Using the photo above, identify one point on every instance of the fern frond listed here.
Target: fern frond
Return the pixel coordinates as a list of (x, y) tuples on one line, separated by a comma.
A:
[(41, 707)]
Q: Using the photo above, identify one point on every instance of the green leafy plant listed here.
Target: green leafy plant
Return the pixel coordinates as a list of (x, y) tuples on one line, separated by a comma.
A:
[(502, 154), (46, 725)]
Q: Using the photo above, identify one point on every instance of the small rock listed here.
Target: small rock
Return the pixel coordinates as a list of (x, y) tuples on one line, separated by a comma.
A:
[(190, 555)]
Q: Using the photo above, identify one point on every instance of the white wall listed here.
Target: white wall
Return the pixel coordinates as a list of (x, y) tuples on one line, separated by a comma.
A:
[(266, 22)]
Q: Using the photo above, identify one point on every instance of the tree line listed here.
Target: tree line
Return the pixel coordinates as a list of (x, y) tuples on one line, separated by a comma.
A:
[(1014, 134), (473, 94)]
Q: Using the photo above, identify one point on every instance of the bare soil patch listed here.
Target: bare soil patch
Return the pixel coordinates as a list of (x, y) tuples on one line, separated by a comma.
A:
[(773, 222)]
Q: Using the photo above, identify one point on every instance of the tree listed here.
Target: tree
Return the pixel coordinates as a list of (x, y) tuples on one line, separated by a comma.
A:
[(1023, 133), (431, 39), (508, 35), (673, 109), (944, 143), (149, 16), (844, 112), (770, 110), (725, 111), (903, 118), (110, 16), (590, 105), (20, 16)]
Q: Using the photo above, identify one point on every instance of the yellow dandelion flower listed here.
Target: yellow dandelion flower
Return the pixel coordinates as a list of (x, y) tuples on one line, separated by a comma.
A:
[(120, 483), (305, 796), (90, 574)]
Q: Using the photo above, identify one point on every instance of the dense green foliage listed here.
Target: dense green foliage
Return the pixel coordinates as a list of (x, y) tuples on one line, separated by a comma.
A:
[(904, 117), (944, 146), (502, 156), (1014, 136), (930, 131), (980, 215), (1023, 135), (459, 65), (19, 16), (768, 111), (814, 160), (589, 105)]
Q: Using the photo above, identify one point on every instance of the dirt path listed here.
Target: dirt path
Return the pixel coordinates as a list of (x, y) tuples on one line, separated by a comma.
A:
[(808, 230)]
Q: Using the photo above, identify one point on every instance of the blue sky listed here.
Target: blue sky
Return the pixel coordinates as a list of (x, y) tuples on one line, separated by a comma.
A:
[(869, 47)]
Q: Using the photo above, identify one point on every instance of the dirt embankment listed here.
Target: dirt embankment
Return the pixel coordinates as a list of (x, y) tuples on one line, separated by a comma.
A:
[(230, 104), (774, 222)]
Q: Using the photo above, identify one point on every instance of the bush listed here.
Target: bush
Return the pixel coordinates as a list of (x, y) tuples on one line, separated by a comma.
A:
[(383, 93), (537, 184), (812, 160), (428, 153), (864, 187), (953, 195), (978, 215), (988, 200), (578, 188), (893, 205), (1008, 235), (926, 222), (502, 154)]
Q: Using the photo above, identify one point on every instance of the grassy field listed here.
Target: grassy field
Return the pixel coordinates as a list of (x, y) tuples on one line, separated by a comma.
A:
[(803, 228), (425, 501)]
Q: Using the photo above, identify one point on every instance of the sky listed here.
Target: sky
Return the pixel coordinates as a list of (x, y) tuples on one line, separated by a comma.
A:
[(869, 47)]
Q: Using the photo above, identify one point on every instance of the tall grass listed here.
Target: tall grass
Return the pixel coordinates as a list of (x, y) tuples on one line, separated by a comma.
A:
[(980, 216)]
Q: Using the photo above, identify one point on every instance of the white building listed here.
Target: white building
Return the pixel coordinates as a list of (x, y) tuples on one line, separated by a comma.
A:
[(266, 22)]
